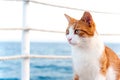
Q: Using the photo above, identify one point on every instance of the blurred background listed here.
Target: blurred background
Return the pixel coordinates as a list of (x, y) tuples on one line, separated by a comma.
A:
[(47, 24)]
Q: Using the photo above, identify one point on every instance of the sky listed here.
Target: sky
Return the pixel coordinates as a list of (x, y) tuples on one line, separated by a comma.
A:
[(106, 14)]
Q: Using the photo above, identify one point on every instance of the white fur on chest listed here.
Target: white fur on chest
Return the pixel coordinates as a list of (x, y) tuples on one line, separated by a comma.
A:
[(86, 66), (86, 59)]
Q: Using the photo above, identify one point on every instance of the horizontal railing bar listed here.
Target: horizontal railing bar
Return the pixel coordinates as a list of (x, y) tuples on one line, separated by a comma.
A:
[(50, 56), (43, 30), (15, 28), (66, 7), (12, 57), (11, 28), (110, 34), (53, 31), (34, 29), (34, 56), (3, 58)]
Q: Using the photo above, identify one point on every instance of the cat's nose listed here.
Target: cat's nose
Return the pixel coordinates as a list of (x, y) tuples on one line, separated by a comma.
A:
[(69, 39)]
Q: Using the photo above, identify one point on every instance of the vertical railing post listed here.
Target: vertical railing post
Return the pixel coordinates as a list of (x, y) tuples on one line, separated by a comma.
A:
[(25, 75)]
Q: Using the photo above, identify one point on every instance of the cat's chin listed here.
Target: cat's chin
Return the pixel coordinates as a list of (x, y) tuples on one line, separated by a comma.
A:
[(71, 43)]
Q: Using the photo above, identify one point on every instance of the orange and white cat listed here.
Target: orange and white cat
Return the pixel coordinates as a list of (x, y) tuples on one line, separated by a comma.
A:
[(92, 60)]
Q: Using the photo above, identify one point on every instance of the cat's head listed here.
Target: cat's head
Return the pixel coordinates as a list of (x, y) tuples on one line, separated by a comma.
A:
[(78, 30)]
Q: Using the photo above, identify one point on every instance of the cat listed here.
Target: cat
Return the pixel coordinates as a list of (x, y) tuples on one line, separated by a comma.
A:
[(92, 60)]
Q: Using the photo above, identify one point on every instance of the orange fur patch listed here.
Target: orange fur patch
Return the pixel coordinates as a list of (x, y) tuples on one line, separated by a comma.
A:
[(109, 58), (85, 27)]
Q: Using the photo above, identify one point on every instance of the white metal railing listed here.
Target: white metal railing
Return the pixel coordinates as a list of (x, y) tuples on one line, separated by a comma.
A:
[(25, 45), (52, 31), (34, 56)]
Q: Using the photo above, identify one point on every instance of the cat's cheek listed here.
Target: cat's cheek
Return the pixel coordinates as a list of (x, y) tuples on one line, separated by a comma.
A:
[(75, 42), (73, 39)]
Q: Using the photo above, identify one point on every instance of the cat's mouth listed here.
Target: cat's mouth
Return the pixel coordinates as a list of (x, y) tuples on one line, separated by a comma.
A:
[(72, 43)]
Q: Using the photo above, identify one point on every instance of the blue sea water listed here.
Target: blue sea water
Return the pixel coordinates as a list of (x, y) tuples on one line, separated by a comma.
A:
[(41, 69)]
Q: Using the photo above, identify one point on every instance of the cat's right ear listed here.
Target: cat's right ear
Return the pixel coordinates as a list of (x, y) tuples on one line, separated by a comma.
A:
[(70, 19)]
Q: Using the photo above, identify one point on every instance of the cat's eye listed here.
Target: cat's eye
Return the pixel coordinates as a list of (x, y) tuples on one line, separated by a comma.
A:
[(76, 31)]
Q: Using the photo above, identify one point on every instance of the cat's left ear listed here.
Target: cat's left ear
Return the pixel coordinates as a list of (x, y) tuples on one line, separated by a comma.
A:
[(70, 19), (87, 17)]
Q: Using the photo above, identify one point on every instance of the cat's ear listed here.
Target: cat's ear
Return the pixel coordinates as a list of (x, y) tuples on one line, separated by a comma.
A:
[(70, 19), (87, 17)]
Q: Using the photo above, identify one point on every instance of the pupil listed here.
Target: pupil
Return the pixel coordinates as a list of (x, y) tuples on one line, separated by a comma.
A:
[(76, 32)]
